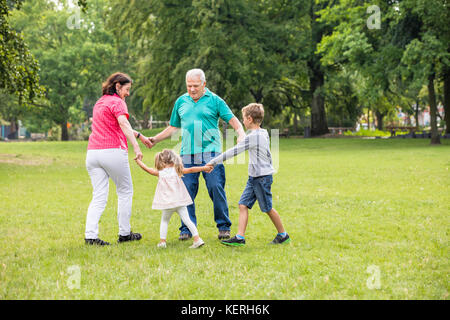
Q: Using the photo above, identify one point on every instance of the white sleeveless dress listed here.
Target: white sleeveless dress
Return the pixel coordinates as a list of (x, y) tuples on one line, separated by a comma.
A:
[(170, 191)]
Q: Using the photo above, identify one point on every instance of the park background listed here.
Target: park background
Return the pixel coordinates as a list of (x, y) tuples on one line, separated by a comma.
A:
[(368, 217)]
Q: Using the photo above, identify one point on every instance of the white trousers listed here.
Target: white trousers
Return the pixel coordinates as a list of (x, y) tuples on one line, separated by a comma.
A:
[(102, 165), (184, 215)]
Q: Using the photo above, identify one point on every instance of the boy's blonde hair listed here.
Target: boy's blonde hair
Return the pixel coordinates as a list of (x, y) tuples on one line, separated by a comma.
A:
[(166, 158), (254, 110)]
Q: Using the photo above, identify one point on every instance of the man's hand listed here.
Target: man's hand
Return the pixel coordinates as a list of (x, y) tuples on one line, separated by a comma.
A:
[(237, 126), (146, 141), (240, 137)]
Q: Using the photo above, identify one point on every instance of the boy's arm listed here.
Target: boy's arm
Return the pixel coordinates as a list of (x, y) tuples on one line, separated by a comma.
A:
[(152, 171), (232, 152)]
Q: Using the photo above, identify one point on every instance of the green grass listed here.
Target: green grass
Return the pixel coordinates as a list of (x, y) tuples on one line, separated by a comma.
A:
[(350, 206), (368, 133)]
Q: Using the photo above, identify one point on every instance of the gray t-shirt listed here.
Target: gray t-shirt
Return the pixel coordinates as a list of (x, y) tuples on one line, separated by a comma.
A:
[(258, 145)]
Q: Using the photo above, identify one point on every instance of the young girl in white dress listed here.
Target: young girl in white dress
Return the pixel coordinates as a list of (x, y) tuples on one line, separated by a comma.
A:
[(171, 194)]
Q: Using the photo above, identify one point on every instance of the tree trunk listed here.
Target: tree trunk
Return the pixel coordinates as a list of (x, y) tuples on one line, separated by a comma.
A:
[(447, 100), (14, 129), (380, 117), (319, 124), (146, 120), (295, 122), (258, 94), (435, 139), (416, 114), (64, 131)]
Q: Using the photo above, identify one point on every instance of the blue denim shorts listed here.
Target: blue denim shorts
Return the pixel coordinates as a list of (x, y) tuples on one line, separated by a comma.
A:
[(258, 188)]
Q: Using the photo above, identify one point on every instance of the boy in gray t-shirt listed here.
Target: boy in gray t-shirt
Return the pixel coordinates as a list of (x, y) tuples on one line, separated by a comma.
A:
[(260, 170)]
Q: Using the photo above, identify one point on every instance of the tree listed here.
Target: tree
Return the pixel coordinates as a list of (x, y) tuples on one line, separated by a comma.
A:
[(412, 39), (18, 69), (360, 45), (230, 40), (428, 54), (75, 56)]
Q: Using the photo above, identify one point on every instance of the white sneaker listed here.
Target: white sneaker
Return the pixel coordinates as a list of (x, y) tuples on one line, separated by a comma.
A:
[(162, 245), (197, 244)]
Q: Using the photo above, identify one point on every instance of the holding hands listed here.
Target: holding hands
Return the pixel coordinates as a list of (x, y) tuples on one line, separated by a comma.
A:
[(145, 140), (208, 168)]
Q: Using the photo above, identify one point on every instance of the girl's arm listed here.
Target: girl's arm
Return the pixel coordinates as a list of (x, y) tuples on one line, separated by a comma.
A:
[(207, 169), (152, 171)]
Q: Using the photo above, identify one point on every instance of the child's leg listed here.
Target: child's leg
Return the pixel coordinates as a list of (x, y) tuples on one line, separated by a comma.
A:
[(165, 218), (184, 215), (243, 220), (275, 217)]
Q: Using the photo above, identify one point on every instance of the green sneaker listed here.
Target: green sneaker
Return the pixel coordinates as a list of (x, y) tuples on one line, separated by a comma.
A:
[(235, 241), (279, 239)]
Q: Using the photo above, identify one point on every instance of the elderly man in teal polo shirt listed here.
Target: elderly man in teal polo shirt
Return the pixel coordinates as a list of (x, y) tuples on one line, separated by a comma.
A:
[(197, 114)]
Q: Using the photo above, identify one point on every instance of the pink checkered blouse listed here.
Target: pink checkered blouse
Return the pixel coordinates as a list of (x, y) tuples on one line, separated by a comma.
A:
[(106, 131)]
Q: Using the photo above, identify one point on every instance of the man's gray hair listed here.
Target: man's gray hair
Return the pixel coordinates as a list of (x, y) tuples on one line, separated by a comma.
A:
[(196, 73)]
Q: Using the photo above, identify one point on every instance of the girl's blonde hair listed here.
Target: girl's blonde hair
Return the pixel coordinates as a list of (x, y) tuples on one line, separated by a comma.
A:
[(167, 158)]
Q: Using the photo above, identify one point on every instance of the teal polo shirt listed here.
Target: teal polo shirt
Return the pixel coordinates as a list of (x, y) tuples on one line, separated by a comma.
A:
[(199, 122)]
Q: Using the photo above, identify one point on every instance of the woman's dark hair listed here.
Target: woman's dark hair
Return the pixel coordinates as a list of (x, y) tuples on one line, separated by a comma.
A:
[(109, 86)]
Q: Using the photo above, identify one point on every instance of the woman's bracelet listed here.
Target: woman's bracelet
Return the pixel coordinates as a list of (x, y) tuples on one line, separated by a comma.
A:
[(138, 135)]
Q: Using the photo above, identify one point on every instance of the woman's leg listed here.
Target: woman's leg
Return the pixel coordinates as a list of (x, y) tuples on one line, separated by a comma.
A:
[(100, 184), (117, 165)]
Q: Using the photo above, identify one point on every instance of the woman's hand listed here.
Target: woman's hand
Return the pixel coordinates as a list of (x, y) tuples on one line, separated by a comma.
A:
[(146, 141), (138, 153)]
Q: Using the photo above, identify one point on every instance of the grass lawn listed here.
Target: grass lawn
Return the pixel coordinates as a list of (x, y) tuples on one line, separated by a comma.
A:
[(369, 219)]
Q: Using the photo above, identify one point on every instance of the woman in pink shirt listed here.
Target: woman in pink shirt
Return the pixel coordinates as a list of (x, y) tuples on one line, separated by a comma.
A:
[(107, 157)]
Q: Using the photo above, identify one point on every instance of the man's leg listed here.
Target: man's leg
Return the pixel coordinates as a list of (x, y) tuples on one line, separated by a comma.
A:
[(215, 183), (191, 182)]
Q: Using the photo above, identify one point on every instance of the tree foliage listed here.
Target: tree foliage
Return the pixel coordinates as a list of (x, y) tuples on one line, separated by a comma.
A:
[(18, 67), (75, 52), (303, 59)]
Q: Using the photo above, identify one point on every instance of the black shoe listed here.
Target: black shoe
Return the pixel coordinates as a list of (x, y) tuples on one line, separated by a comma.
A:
[(224, 234), (279, 239), (131, 237), (235, 241), (97, 242), (184, 236)]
